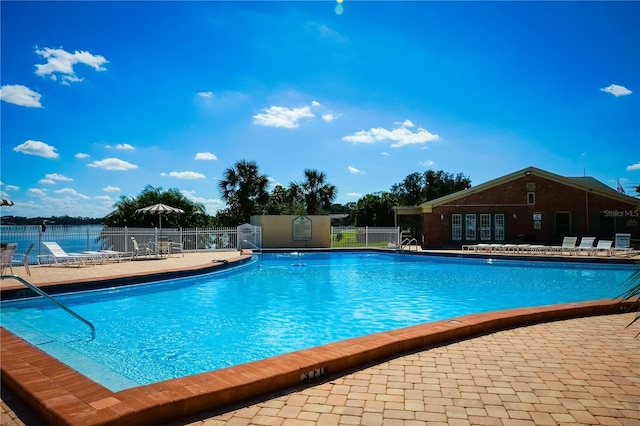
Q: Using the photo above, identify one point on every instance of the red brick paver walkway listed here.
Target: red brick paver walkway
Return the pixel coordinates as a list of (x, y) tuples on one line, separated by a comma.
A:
[(575, 372)]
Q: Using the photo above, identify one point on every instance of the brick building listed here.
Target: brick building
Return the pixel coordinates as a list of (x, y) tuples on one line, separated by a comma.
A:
[(530, 205)]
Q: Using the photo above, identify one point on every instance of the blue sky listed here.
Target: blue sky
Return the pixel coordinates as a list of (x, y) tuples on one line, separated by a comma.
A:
[(100, 99)]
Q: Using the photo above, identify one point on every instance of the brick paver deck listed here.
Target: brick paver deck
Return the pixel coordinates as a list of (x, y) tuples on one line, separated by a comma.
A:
[(578, 371)]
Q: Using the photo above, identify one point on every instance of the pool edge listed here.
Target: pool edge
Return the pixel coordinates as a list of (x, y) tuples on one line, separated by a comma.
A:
[(60, 395)]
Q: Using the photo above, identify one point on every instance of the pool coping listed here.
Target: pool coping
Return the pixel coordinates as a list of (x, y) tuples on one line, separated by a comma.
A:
[(61, 395)]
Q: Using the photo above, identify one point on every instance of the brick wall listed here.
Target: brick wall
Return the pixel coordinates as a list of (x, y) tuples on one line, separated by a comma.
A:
[(585, 209)]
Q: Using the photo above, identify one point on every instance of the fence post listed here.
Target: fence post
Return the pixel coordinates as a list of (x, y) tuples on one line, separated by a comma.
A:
[(331, 236), (366, 236), (196, 239)]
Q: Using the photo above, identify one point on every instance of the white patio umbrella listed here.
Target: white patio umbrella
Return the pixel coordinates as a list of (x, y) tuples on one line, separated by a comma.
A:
[(160, 209)]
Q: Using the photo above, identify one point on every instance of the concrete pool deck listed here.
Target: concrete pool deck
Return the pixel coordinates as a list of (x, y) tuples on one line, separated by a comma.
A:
[(452, 372)]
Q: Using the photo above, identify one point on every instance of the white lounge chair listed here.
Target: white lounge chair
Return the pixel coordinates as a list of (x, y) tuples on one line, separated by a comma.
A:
[(58, 256), (622, 245), (568, 245), (585, 246), (139, 249), (603, 245)]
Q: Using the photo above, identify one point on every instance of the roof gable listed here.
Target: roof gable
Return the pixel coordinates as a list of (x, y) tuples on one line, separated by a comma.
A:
[(584, 183)]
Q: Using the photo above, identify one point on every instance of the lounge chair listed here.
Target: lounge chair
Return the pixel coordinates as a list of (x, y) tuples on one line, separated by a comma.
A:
[(116, 255), (6, 256), (139, 249), (622, 245), (23, 258), (585, 246), (603, 245), (568, 245), (58, 256)]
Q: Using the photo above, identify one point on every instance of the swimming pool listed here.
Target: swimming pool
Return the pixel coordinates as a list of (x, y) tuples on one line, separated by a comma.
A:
[(282, 303)]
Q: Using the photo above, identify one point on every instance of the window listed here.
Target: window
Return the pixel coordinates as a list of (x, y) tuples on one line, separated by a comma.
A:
[(456, 227), (470, 227), (531, 197), (485, 227), (499, 226)]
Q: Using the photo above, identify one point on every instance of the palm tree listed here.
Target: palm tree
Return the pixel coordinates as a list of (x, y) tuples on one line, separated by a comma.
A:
[(244, 188), (314, 192)]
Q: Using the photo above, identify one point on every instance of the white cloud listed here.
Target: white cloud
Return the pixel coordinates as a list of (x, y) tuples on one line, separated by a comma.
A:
[(353, 170), (385, 154), (82, 155), (20, 95), (616, 90), (633, 167), (204, 94), (400, 136), (38, 192), (122, 146), (71, 192), (111, 189), (354, 194), (51, 178), (103, 198), (37, 148), (205, 156), (55, 176), (329, 116), (113, 164), (212, 205), (61, 62), (315, 103), (184, 175), (277, 116), (427, 163), (9, 187)]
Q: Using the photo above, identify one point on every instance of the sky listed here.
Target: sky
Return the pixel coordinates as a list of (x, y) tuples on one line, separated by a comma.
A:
[(101, 99)]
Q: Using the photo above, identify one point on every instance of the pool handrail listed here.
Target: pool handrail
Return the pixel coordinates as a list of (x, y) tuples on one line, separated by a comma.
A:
[(46, 296)]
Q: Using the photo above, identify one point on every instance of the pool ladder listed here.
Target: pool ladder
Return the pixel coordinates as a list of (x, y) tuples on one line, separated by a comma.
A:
[(407, 243), (46, 296)]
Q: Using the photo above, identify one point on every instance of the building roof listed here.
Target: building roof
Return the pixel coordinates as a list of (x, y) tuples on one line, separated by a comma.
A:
[(585, 183)]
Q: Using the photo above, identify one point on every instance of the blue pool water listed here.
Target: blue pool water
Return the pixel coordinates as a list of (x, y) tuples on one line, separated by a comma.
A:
[(285, 302)]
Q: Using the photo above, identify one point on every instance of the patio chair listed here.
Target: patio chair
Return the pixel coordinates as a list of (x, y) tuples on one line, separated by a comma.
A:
[(23, 258), (568, 244), (177, 248), (143, 249), (57, 256), (603, 245), (5, 257), (622, 245), (585, 246)]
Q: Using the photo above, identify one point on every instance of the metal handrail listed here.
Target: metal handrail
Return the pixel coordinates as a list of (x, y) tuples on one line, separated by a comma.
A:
[(46, 296), (408, 242)]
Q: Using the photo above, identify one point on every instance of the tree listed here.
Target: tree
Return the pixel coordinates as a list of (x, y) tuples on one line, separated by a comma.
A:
[(125, 210), (417, 188), (281, 201), (244, 189), (314, 192), (375, 210)]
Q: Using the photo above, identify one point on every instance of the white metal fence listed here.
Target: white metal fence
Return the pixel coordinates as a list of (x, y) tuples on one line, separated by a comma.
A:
[(366, 236), (74, 239)]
